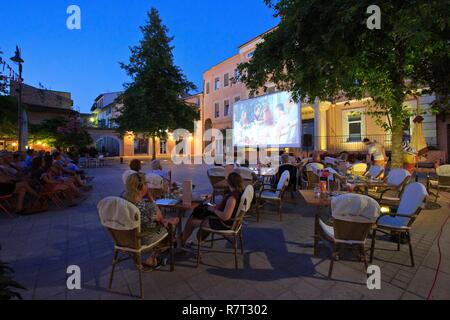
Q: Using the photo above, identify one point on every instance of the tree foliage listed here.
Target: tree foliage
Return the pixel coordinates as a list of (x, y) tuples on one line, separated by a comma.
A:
[(8, 116), (324, 49), (153, 99)]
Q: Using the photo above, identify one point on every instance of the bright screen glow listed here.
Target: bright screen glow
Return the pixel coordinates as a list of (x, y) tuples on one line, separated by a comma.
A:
[(270, 120)]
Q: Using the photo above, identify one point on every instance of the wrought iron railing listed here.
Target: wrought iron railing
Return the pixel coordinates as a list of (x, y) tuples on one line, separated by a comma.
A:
[(352, 143)]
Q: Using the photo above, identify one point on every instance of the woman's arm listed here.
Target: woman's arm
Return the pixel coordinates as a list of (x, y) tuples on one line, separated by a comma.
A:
[(226, 214)]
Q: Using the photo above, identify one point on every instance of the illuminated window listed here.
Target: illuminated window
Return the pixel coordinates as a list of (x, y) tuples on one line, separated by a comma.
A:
[(353, 124)]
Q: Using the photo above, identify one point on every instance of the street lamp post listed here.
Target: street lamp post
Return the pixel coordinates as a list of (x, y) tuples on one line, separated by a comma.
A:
[(21, 112)]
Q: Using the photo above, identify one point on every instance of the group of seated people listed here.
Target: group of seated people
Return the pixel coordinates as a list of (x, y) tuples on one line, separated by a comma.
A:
[(26, 179), (153, 222)]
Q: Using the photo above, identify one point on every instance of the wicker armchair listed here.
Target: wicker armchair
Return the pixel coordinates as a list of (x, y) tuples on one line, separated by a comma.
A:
[(123, 221), (354, 216)]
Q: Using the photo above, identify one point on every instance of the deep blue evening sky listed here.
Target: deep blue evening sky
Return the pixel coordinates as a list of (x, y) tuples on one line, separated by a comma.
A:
[(85, 62)]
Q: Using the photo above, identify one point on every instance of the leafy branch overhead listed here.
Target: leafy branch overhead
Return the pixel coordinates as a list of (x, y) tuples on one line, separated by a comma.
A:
[(324, 49)]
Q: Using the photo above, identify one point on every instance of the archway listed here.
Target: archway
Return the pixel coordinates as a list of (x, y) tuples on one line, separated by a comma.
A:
[(109, 139), (110, 146)]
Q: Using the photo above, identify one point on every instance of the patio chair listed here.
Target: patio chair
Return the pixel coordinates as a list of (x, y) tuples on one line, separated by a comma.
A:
[(442, 181), (293, 173), (216, 176), (358, 169), (122, 219), (236, 229), (400, 220), (4, 205), (396, 181), (271, 195), (374, 172), (354, 216)]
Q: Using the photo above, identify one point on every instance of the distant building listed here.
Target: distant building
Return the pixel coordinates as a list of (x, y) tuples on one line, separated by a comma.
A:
[(325, 126), (106, 108), (41, 104)]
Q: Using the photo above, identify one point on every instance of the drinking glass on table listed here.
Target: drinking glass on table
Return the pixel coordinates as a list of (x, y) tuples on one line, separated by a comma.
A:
[(317, 191)]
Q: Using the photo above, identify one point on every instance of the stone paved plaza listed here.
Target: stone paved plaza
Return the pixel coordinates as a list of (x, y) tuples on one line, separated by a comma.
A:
[(278, 261)]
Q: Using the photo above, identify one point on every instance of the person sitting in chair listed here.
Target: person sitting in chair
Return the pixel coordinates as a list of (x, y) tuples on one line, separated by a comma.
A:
[(217, 217), (153, 223)]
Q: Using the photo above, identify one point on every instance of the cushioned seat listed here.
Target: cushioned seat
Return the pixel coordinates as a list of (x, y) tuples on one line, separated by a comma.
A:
[(393, 222), (266, 194)]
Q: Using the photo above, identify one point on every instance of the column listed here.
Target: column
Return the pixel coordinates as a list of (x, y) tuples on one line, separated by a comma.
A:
[(320, 125)]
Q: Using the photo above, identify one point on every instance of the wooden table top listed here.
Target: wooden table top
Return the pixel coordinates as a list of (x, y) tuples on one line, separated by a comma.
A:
[(311, 199)]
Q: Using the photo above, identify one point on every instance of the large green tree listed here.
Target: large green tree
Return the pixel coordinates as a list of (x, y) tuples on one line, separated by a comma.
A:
[(153, 99), (325, 49)]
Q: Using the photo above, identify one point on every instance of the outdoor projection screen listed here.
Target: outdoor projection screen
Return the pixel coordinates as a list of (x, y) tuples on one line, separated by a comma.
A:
[(268, 121)]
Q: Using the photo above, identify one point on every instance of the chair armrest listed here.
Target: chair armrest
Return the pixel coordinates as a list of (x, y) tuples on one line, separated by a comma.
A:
[(382, 192)]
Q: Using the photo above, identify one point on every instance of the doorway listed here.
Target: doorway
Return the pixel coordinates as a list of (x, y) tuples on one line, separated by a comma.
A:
[(308, 135)]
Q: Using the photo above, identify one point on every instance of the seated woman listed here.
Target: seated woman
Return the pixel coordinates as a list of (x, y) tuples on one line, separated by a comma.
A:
[(53, 181), (153, 222), (9, 186), (225, 211)]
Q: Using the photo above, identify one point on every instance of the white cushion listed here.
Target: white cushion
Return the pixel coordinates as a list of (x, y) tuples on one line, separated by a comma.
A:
[(353, 207), (154, 181), (393, 222), (329, 230), (246, 199), (267, 194), (284, 181), (119, 214)]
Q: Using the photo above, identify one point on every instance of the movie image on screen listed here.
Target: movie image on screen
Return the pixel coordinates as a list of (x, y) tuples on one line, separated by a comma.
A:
[(270, 120)]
